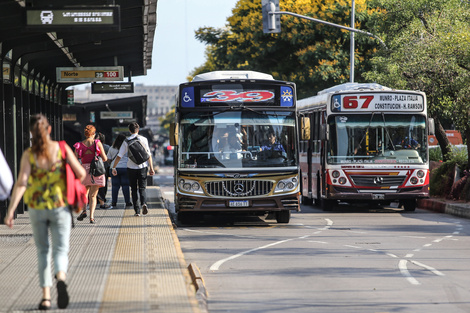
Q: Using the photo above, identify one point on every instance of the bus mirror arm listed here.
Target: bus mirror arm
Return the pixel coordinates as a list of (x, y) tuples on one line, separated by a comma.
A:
[(173, 134), (431, 127), (324, 133)]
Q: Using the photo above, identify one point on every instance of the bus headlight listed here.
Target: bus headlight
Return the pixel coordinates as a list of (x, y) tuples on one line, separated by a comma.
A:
[(414, 180), (285, 185), (420, 174), (190, 186)]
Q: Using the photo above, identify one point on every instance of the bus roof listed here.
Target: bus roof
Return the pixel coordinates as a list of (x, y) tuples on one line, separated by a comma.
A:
[(354, 86), (232, 75)]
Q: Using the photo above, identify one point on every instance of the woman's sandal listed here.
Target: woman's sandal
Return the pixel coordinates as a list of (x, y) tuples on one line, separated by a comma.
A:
[(43, 307), (62, 295), (82, 216), (92, 220)]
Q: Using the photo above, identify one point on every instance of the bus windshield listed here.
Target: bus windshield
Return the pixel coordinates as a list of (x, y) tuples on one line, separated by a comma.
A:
[(377, 138), (237, 139)]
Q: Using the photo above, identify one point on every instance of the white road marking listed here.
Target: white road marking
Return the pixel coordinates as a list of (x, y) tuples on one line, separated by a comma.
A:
[(404, 271), (432, 269), (216, 265)]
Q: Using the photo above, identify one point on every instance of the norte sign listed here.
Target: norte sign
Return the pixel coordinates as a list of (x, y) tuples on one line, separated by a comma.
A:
[(73, 18), (89, 74)]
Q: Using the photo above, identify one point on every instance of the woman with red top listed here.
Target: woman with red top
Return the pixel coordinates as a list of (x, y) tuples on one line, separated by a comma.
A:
[(86, 151)]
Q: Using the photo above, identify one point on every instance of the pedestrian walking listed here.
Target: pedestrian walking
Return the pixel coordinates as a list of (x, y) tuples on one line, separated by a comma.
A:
[(85, 151), (121, 180), (137, 172), (104, 190), (42, 181)]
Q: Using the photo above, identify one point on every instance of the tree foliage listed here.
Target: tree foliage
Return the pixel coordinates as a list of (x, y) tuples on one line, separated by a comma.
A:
[(429, 43), (314, 56)]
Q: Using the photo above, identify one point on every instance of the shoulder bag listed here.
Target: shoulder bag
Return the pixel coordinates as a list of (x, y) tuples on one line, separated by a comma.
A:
[(97, 167), (76, 191)]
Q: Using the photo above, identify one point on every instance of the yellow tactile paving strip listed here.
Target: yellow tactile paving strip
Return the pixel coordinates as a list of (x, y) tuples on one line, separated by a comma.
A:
[(148, 263)]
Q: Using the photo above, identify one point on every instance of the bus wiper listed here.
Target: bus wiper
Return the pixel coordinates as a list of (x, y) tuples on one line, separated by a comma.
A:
[(386, 131)]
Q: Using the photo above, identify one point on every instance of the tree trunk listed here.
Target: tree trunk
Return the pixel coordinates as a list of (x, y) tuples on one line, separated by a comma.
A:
[(442, 138), (467, 141)]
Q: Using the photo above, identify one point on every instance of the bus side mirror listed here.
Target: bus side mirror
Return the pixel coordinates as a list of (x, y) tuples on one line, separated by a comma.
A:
[(431, 127), (324, 132), (173, 134), (305, 128)]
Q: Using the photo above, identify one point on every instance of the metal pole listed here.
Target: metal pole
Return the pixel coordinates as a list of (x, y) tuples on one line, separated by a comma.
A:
[(351, 75)]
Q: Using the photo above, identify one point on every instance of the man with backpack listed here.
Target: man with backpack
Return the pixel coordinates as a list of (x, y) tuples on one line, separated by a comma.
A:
[(140, 159)]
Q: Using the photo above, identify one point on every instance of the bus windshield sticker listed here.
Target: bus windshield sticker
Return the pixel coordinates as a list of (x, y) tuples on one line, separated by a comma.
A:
[(377, 102)]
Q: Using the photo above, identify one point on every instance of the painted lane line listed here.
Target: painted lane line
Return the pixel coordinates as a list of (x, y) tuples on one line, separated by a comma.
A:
[(322, 242), (429, 268), (404, 271), (216, 265), (391, 255), (216, 233), (409, 255)]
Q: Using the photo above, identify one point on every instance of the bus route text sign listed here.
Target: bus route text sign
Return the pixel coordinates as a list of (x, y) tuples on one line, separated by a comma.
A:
[(373, 102), (73, 18), (89, 74)]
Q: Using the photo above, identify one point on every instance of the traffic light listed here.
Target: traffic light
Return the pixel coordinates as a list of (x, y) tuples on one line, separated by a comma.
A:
[(271, 22)]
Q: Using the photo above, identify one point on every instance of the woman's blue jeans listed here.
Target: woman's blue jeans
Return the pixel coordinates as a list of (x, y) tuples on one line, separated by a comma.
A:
[(59, 222)]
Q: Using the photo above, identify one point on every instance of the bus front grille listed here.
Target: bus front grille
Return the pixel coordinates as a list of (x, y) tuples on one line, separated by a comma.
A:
[(239, 188), (378, 180)]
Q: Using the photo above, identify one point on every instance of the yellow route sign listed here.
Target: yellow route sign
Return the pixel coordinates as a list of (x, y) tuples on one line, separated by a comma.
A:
[(89, 74)]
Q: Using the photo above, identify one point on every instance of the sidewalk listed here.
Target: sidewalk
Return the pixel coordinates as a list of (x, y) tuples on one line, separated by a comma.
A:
[(122, 263), (441, 205)]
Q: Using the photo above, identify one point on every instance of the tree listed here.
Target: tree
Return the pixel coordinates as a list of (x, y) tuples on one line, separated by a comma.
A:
[(429, 45), (313, 55)]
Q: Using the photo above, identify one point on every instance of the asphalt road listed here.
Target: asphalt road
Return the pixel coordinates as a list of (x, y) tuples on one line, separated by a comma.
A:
[(352, 259)]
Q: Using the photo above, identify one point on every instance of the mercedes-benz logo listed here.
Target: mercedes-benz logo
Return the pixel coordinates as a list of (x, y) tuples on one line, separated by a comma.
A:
[(239, 188), (378, 180)]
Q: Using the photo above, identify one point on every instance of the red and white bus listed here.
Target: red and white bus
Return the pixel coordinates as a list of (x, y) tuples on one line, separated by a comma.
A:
[(364, 143)]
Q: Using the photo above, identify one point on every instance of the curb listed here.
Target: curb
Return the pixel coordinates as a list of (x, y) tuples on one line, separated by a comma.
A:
[(201, 291), (440, 206)]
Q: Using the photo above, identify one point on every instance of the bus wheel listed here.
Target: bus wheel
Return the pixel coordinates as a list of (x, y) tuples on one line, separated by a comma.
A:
[(327, 205), (283, 216), (307, 200), (188, 218), (409, 205)]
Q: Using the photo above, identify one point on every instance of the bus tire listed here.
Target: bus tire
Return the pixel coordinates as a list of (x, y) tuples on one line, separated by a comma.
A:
[(283, 216), (327, 205), (307, 200), (409, 205)]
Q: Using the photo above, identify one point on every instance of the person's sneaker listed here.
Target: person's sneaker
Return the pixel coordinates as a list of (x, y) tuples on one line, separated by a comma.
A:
[(144, 209), (137, 214), (105, 206), (129, 205)]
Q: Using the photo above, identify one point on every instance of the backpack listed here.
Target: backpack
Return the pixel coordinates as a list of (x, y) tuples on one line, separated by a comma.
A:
[(136, 151)]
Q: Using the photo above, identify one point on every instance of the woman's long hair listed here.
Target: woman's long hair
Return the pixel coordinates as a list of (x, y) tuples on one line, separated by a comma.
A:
[(118, 141), (39, 128)]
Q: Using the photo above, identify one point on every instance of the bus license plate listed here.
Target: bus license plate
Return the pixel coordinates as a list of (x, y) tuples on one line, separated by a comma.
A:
[(238, 203), (378, 196)]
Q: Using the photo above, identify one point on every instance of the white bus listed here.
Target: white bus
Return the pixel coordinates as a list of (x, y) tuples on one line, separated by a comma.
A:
[(235, 141), (364, 143)]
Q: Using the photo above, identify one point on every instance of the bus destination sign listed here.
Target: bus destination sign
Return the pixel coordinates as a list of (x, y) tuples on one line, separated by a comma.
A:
[(73, 18), (364, 102)]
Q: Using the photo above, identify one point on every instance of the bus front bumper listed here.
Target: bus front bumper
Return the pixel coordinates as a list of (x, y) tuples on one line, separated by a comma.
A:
[(262, 204)]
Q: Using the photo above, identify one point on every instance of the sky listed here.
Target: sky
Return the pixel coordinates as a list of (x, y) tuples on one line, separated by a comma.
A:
[(176, 52)]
